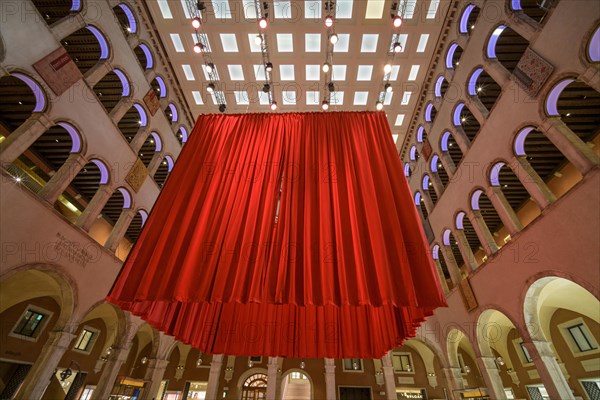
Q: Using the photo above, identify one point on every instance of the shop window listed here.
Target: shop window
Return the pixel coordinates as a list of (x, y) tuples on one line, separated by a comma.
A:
[(87, 392), (86, 339), (402, 362), (353, 364), (31, 323)]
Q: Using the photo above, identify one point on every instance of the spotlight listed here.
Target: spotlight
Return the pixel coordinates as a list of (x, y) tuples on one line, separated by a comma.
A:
[(258, 40), (222, 107), (397, 20), (196, 23), (388, 87), (325, 105), (210, 67), (387, 68), (198, 47), (210, 88), (333, 38), (329, 21), (274, 105), (331, 87), (262, 23), (269, 67), (326, 67), (266, 88), (397, 47), (379, 106)]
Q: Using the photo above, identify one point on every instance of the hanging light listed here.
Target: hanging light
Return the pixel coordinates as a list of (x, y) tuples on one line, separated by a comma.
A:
[(397, 47), (269, 67), (196, 23), (379, 106), (262, 23), (258, 40), (355, 365), (397, 21), (210, 67), (331, 87), (326, 67), (333, 38), (222, 107), (387, 68), (199, 361), (328, 21), (500, 361), (198, 47), (467, 369), (250, 363), (274, 106), (302, 364), (210, 88), (388, 87), (325, 107), (266, 88)]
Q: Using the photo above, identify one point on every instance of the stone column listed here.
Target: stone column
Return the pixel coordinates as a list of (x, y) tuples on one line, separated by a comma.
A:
[(212, 388), (94, 208), (497, 71), (154, 374), (273, 380), (532, 182), (426, 199), (465, 249), (491, 377), (569, 144), (139, 139), (483, 233), (461, 139), (39, 375), (330, 387), (436, 182), (118, 232), (62, 178), (448, 164), (477, 109), (110, 371), (97, 72), (453, 269), (505, 212), (154, 164), (120, 109), (454, 379), (24, 136), (389, 378), (550, 372), (67, 26), (441, 275)]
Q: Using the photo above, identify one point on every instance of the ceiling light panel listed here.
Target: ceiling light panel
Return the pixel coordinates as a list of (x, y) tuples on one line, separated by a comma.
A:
[(177, 43), (289, 97), (197, 97), (414, 72), (236, 73), (312, 42), (364, 73), (399, 120), (422, 43), (241, 97), (313, 98), (369, 43), (186, 10), (395, 137), (229, 43), (282, 9), (286, 72), (285, 43), (312, 9), (249, 9), (361, 98), (406, 98), (165, 10), (343, 9), (338, 73), (343, 43), (313, 72), (221, 9), (189, 74), (374, 9), (432, 10)]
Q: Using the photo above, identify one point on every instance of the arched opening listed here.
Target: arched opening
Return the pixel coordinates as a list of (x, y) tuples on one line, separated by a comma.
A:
[(133, 120), (507, 46), (462, 355), (452, 243), (87, 47), (120, 200), (151, 146), (171, 113), (468, 18), (135, 226), (421, 134), (437, 168), (449, 145), (143, 348), (430, 112), (126, 18), (144, 56), (439, 256), (484, 87), (441, 86), (159, 86), (534, 9), (453, 56), (163, 171), (464, 119), (54, 10), (296, 385), (255, 387), (481, 203), (182, 135), (413, 153), (562, 317), (525, 208), (21, 97), (427, 186), (462, 223), (112, 88), (421, 206), (547, 161), (593, 47), (407, 171)]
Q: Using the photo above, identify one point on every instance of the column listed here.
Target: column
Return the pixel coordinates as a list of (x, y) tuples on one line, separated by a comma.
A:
[(120, 109), (491, 377), (461, 139), (154, 164), (532, 182), (454, 379), (497, 71), (465, 249), (569, 144), (62, 178), (110, 371), (139, 139), (97, 72), (425, 198), (273, 379), (154, 374), (116, 235), (448, 164), (39, 376), (455, 274), (94, 207), (24, 136), (330, 379), (505, 212), (435, 180), (552, 377), (483, 233), (441, 275), (477, 109), (212, 388), (67, 26), (389, 378)]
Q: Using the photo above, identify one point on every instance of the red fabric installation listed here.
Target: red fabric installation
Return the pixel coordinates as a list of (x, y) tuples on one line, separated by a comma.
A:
[(290, 235)]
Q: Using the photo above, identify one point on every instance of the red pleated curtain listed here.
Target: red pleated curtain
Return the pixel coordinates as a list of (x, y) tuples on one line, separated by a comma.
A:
[(290, 235)]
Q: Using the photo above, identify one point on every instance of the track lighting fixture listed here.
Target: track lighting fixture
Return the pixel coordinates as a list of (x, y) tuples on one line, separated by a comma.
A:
[(210, 88), (397, 47), (262, 23), (328, 21), (274, 106), (198, 47), (266, 88), (210, 67), (331, 87), (388, 88), (387, 68), (196, 23), (325, 105), (379, 106), (326, 67), (222, 107), (269, 67), (333, 38), (397, 21)]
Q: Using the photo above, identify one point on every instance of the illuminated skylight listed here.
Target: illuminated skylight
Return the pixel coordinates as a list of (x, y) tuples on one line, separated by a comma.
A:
[(422, 43), (399, 120), (236, 72), (387, 98), (165, 10), (176, 39), (414, 71), (343, 43), (361, 98), (313, 72), (369, 43), (255, 48), (409, 8), (312, 9), (286, 72), (204, 40), (399, 38), (364, 73), (406, 98), (312, 98), (282, 9), (395, 137), (221, 9), (229, 43), (343, 9), (285, 43), (394, 73), (189, 74), (259, 72), (433, 7), (221, 96), (374, 9), (249, 9), (289, 97), (312, 42), (215, 73), (338, 73), (337, 98), (241, 97), (263, 98), (197, 97)]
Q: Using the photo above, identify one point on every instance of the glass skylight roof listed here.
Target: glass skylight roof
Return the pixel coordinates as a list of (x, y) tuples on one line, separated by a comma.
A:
[(399, 120), (313, 72), (289, 97), (312, 9), (312, 98), (236, 72), (361, 98), (406, 98), (221, 9), (422, 43), (259, 72), (229, 43), (414, 71), (176, 39), (241, 97), (343, 43), (197, 97), (285, 43), (282, 9), (313, 42), (165, 10), (343, 9), (364, 73), (189, 74), (286, 72), (374, 9), (369, 43), (338, 73)]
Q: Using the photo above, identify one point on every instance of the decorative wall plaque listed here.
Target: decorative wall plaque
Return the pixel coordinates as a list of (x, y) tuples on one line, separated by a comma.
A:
[(426, 149), (58, 70), (151, 101), (532, 72), (468, 295), (136, 176)]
